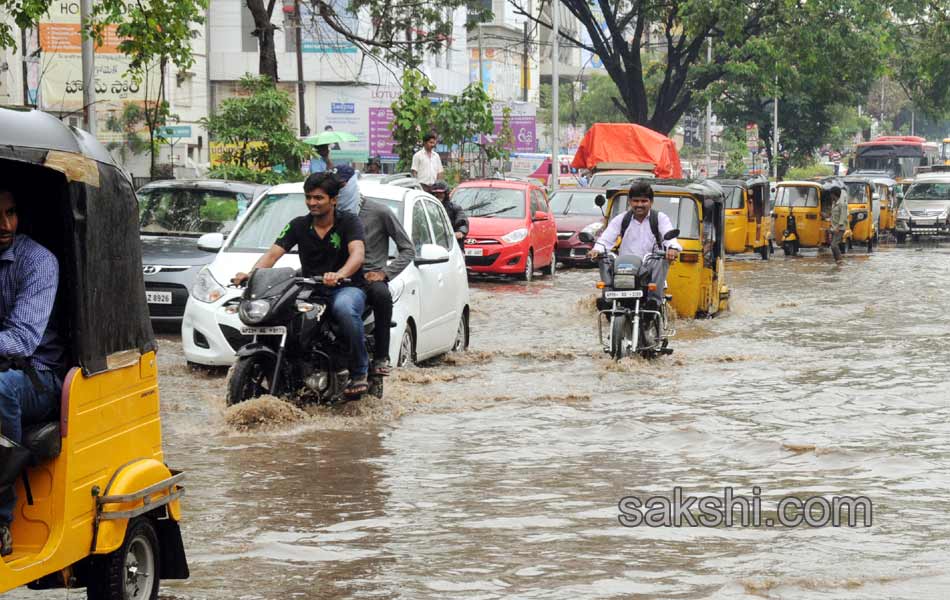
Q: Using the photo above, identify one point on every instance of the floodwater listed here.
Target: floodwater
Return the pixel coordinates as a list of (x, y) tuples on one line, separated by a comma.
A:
[(497, 473)]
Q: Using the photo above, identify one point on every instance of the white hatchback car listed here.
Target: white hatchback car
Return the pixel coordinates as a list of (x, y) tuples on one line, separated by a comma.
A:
[(431, 296)]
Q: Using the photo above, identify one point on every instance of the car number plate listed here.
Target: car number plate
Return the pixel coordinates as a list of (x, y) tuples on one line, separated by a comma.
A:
[(158, 297), (474, 252), (275, 330), (623, 294)]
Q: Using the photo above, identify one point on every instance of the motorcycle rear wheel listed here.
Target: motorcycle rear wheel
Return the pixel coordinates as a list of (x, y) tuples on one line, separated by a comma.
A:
[(621, 336), (250, 378)]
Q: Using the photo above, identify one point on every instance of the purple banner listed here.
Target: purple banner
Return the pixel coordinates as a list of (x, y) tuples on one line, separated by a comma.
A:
[(523, 129), (380, 137)]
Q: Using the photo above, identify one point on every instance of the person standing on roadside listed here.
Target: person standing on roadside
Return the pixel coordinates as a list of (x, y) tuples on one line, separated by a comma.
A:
[(839, 221), (426, 163)]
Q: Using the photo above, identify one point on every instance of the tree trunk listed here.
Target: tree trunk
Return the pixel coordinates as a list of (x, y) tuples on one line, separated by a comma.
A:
[(264, 32)]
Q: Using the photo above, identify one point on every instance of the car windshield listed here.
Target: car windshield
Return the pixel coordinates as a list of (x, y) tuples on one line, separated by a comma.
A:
[(733, 197), (491, 202), (176, 211), (575, 203), (615, 180), (680, 210), (796, 196), (928, 191), (263, 224)]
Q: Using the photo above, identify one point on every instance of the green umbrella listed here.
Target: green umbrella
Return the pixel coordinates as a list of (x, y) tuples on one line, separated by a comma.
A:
[(330, 137)]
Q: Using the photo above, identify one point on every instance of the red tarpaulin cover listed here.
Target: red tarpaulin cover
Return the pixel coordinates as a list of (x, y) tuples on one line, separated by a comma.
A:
[(628, 143)]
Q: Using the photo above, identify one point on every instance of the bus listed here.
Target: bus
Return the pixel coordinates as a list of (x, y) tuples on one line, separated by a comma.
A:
[(897, 155), (945, 151)]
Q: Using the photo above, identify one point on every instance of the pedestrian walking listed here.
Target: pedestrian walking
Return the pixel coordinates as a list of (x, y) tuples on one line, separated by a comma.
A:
[(839, 221)]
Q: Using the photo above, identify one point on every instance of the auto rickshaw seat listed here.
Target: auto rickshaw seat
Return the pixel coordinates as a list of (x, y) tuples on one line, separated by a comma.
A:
[(43, 440)]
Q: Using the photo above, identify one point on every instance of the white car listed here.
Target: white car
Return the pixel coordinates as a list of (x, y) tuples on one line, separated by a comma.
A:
[(431, 296)]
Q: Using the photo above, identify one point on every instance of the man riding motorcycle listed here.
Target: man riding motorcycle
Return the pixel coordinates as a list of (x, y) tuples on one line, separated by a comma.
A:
[(642, 229)]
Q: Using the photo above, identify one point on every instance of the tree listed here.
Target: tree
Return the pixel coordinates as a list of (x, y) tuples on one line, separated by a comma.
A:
[(413, 116), (127, 124), (260, 142), (402, 29), (465, 118), (920, 62), (156, 33)]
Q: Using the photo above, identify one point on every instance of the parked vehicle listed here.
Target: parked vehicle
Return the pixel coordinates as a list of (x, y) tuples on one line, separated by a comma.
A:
[(405, 180), (511, 229), (632, 327), (96, 505), (748, 220), (431, 299), (925, 211), (697, 280), (173, 214), (885, 195), (576, 212), (296, 345), (801, 217), (863, 212)]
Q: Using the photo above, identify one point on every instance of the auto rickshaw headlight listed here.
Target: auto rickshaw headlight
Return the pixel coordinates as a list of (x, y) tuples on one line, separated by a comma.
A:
[(206, 289), (253, 311)]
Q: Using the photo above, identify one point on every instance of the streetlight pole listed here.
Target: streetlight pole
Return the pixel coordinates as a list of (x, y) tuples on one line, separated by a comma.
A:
[(775, 133), (555, 95), (88, 69), (708, 117), (300, 84)]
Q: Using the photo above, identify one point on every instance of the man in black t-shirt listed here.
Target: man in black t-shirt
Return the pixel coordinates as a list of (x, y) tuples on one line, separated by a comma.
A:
[(330, 244)]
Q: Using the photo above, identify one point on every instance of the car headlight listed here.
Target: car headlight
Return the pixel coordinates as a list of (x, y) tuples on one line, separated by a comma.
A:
[(902, 213), (594, 228), (515, 236), (396, 288), (253, 311), (206, 289)]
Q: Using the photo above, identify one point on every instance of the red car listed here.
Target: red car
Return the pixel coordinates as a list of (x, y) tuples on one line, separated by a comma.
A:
[(576, 212), (511, 229)]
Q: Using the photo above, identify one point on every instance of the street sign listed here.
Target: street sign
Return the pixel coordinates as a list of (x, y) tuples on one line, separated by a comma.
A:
[(176, 131), (752, 137)]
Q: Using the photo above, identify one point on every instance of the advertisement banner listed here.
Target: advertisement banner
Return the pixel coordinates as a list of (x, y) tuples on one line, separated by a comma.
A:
[(319, 38)]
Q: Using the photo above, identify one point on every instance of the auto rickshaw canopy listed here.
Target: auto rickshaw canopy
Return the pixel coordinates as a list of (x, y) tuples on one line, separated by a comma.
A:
[(76, 201)]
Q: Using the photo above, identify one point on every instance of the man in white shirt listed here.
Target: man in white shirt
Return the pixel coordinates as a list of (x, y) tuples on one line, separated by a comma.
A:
[(641, 236), (426, 163)]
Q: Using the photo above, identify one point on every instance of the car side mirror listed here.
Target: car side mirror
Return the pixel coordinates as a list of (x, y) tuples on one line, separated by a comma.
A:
[(600, 200), (672, 233), (586, 237), (539, 216), (211, 242), (431, 254)]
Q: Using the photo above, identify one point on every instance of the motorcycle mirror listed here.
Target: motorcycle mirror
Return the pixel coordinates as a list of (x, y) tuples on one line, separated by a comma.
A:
[(672, 233), (600, 200), (585, 237)]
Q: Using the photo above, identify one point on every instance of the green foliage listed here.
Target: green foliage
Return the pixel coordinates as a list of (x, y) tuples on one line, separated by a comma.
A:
[(736, 151), (809, 171), (265, 176), (258, 133), (413, 115), (465, 117), (127, 123), (504, 143), (920, 35)]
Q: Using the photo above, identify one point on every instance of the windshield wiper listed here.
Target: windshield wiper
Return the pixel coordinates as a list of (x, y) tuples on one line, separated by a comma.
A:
[(491, 214)]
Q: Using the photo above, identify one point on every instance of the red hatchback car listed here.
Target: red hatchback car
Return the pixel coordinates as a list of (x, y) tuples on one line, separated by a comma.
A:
[(511, 229)]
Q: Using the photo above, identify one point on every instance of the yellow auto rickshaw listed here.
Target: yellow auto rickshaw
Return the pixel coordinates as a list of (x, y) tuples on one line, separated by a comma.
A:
[(748, 222), (885, 191), (96, 505), (863, 212), (696, 281), (801, 215)]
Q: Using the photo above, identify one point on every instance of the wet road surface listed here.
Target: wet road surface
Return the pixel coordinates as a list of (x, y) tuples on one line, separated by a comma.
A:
[(497, 473)]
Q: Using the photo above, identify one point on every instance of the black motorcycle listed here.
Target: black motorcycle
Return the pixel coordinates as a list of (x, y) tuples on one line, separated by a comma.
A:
[(634, 326), (297, 347)]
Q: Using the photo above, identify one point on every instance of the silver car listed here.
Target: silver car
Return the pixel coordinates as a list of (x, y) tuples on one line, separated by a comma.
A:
[(173, 214), (926, 207)]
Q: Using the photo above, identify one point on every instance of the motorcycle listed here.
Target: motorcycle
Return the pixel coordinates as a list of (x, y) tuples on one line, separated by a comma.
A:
[(633, 326), (297, 347)]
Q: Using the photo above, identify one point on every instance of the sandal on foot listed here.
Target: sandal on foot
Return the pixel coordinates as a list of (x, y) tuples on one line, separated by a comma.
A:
[(381, 368), (356, 388)]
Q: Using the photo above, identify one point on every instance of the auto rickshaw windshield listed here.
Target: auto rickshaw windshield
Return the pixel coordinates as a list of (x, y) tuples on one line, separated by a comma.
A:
[(733, 197), (796, 196), (857, 192), (680, 210)]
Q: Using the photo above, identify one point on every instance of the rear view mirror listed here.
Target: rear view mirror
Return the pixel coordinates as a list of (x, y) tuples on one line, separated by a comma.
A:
[(431, 254), (539, 216), (211, 242), (672, 233), (600, 200)]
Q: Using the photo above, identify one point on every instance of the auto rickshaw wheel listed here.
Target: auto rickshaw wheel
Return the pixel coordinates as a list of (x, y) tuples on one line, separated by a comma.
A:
[(131, 572), (870, 244), (790, 248), (250, 378)]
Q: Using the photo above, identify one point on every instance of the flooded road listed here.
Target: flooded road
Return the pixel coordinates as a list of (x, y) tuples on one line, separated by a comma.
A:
[(497, 474)]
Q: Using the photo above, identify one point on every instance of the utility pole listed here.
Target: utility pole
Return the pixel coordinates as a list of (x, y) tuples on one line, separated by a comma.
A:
[(775, 133), (26, 84), (88, 69), (300, 84), (708, 116), (481, 73), (555, 94), (525, 71)]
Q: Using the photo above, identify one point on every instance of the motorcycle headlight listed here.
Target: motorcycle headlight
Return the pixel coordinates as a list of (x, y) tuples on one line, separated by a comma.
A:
[(206, 289), (396, 288), (254, 311), (515, 236), (593, 229)]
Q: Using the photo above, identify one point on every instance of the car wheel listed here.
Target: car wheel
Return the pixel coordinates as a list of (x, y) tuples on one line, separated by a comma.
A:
[(528, 273), (407, 348), (131, 572), (461, 336), (551, 269)]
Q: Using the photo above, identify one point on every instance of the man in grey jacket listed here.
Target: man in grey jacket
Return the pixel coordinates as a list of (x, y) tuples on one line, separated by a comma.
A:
[(839, 221), (381, 225)]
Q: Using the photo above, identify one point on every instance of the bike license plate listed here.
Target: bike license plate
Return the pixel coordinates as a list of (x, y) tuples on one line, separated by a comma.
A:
[(276, 330), (474, 252), (158, 297), (623, 294)]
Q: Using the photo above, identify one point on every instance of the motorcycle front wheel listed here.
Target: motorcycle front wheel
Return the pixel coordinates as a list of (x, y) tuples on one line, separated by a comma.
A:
[(649, 336), (250, 378), (621, 335)]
